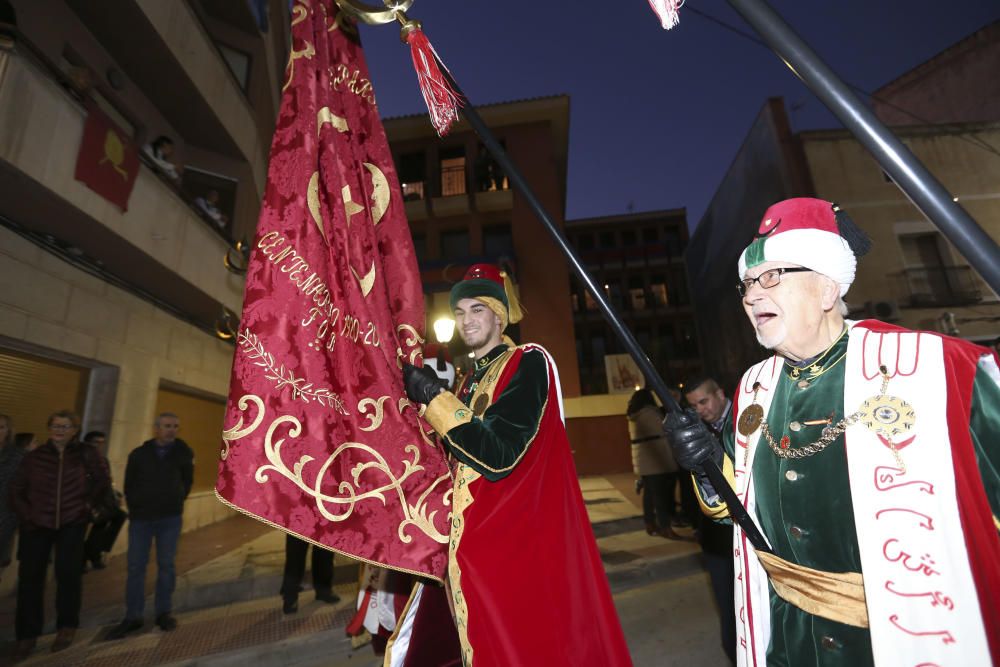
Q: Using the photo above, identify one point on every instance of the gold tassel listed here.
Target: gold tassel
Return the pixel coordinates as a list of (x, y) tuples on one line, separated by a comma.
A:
[(514, 307)]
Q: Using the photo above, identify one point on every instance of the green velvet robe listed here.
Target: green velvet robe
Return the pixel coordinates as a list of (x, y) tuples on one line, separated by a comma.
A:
[(804, 505)]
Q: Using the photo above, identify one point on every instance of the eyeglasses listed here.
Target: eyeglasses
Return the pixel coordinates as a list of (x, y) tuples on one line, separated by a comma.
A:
[(768, 279)]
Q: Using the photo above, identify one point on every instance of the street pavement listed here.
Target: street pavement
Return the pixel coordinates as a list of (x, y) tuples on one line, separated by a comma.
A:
[(229, 611)]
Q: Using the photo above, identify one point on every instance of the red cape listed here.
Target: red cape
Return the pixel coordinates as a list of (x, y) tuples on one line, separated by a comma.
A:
[(531, 573)]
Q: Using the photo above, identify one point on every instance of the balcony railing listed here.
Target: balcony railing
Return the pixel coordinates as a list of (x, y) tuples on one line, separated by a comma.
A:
[(452, 180), (938, 286)]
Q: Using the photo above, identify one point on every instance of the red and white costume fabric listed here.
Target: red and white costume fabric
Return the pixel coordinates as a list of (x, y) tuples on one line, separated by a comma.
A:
[(382, 599), (928, 540)]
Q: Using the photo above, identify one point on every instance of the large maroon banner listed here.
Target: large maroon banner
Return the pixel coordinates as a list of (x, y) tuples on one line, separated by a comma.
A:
[(319, 437)]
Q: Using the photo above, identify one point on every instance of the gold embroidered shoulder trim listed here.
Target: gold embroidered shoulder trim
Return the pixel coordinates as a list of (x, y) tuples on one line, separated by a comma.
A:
[(486, 388)]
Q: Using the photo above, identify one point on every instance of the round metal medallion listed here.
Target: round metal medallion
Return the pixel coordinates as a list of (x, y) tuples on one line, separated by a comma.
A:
[(750, 419), (887, 415)]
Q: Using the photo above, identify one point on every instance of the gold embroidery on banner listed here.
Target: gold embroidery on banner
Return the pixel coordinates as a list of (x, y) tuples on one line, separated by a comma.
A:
[(374, 420), (381, 193), (417, 514), (362, 87), (312, 199), (412, 339), (238, 431), (299, 13), (367, 282), (303, 391), (324, 115), (351, 208), (310, 540)]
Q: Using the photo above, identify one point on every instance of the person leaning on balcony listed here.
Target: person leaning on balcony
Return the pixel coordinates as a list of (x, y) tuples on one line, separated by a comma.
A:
[(867, 454), (52, 494), (161, 152)]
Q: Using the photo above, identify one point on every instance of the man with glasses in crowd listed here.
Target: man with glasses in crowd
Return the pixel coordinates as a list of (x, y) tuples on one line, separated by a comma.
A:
[(867, 454)]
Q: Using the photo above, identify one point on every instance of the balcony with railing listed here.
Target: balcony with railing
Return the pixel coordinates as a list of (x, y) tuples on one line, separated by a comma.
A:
[(160, 245), (154, 42), (931, 287)]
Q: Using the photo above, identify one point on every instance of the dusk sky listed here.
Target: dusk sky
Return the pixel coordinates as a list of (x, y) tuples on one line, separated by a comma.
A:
[(657, 116)]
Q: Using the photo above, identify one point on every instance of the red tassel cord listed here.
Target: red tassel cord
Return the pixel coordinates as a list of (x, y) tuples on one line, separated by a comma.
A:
[(442, 101), (668, 11)]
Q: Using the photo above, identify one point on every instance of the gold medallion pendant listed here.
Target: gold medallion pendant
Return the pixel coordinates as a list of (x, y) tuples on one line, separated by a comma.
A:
[(887, 416), (479, 407), (750, 419)]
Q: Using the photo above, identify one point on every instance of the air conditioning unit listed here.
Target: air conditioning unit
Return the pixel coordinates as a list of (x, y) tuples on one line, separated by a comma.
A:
[(887, 311)]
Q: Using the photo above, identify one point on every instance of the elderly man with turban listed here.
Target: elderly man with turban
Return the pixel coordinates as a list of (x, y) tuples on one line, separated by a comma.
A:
[(868, 455), (525, 582)]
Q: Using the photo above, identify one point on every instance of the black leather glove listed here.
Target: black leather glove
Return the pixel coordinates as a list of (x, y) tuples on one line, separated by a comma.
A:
[(422, 384), (693, 444)]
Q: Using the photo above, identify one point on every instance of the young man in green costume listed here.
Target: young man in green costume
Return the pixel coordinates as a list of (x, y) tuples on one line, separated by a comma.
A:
[(868, 456), (525, 581)]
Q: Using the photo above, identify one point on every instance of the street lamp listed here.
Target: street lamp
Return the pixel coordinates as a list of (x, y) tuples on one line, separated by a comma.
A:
[(444, 329)]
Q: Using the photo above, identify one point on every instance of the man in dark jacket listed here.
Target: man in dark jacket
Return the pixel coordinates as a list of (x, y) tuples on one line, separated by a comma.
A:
[(157, 480), (52, 494), (710, 402)]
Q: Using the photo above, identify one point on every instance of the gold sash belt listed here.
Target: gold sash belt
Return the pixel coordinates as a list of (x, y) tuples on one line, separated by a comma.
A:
[(837, 596)]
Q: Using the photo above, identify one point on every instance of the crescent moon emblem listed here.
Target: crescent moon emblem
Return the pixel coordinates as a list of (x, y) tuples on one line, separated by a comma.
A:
[(444, 273), (367, 282), (312, 198), (381, 195), (326, 116)]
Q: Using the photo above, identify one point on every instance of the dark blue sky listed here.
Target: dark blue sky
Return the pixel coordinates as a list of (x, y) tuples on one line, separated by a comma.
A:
[(657, 116)]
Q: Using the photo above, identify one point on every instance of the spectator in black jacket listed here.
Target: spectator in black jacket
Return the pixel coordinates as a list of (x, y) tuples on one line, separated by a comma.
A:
[(108, 515), (157, 481), (52, 494)]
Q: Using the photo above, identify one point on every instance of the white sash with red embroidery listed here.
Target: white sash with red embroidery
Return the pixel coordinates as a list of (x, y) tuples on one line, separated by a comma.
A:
[(753, 607), (922, 603)]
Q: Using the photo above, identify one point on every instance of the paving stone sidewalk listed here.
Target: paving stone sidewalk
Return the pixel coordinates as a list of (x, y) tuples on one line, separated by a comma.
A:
[(229, 611)]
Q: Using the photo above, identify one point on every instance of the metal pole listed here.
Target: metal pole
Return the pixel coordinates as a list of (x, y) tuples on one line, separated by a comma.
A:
[(926, 193), (736, 509)]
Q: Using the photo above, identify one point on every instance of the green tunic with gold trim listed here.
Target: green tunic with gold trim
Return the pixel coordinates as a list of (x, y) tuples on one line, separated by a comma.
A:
[(804, 505)]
